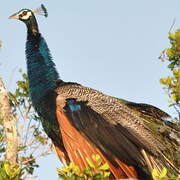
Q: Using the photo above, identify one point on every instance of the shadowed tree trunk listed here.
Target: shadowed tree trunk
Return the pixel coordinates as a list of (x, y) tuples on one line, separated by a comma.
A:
[(9, 123)]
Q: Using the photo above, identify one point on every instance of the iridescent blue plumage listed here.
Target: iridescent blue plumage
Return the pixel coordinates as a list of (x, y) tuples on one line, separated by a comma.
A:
[(41, 69), (42, 77), (73, 106)]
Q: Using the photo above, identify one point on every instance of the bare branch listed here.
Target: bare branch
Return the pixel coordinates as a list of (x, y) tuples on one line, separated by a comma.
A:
[(9, 124)]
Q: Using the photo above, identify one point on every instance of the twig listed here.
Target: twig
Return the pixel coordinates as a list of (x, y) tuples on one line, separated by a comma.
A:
[(174, 21)]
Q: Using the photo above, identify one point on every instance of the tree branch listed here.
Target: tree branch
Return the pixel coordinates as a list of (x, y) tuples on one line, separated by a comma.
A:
[(9, 123)]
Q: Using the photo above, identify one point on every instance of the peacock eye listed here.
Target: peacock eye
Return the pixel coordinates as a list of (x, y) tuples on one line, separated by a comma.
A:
[(24, 13)]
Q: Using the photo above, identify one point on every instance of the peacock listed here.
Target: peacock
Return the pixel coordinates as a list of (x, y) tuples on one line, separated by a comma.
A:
[(133, 138)]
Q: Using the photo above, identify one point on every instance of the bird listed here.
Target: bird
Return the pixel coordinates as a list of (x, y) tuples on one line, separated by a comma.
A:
[(132, 138)]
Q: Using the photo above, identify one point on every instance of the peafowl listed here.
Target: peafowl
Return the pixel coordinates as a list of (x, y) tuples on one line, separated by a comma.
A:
[(132, 138)]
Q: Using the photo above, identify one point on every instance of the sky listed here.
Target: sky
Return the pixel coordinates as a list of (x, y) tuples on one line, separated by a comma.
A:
[(109, 45)]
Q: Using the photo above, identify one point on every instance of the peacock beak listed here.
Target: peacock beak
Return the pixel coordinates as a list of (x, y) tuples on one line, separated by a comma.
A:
[(14, 16)]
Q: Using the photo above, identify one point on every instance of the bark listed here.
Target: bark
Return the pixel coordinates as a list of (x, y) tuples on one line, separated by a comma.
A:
[(9, 123)]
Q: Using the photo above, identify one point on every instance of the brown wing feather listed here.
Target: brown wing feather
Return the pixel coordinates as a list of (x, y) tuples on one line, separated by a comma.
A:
[(78, 149)]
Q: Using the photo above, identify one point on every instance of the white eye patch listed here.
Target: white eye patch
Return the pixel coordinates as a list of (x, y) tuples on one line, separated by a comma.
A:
[(25, 15)]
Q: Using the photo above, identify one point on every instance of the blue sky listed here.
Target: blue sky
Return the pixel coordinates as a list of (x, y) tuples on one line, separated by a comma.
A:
[(109, 45)]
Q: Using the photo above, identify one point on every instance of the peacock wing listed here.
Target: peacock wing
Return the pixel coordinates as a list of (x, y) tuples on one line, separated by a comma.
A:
[(117, 129), (86, 133), (111, 126)]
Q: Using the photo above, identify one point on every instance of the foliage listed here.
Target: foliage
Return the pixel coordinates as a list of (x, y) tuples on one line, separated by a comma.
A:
[(163, 175), (172, 83), (33, 142), (96, 170), (9, 171), (172, 54), (21, 95), (172, 86)]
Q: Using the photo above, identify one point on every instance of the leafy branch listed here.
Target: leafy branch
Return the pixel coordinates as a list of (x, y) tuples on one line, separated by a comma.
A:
[(96, 170), (172, 83), (32, 141)]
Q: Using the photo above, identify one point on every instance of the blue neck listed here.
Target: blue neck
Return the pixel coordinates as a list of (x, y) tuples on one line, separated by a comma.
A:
[(42, 73)]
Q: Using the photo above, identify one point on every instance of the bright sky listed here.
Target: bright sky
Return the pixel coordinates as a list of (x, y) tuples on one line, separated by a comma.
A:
[(109, 45)]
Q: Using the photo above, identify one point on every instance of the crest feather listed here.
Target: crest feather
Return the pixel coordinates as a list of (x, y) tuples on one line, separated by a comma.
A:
[(41, 11)]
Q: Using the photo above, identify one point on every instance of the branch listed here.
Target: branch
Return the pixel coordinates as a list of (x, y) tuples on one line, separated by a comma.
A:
[(9, 123)]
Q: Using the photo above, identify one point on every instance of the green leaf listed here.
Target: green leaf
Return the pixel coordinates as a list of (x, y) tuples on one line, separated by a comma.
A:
[(171, 66), (163, 173), (7, 169), (107, 174), (155, 173), (98, 177), (104, 167), (75, 169), (11, 170), (90, 164), (172, 36), (87, 171), (97, 159), (163, 81), (61, 173)]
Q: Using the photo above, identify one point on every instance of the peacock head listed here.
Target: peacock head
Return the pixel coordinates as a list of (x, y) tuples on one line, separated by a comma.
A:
[(24, 15), (27, 15)]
